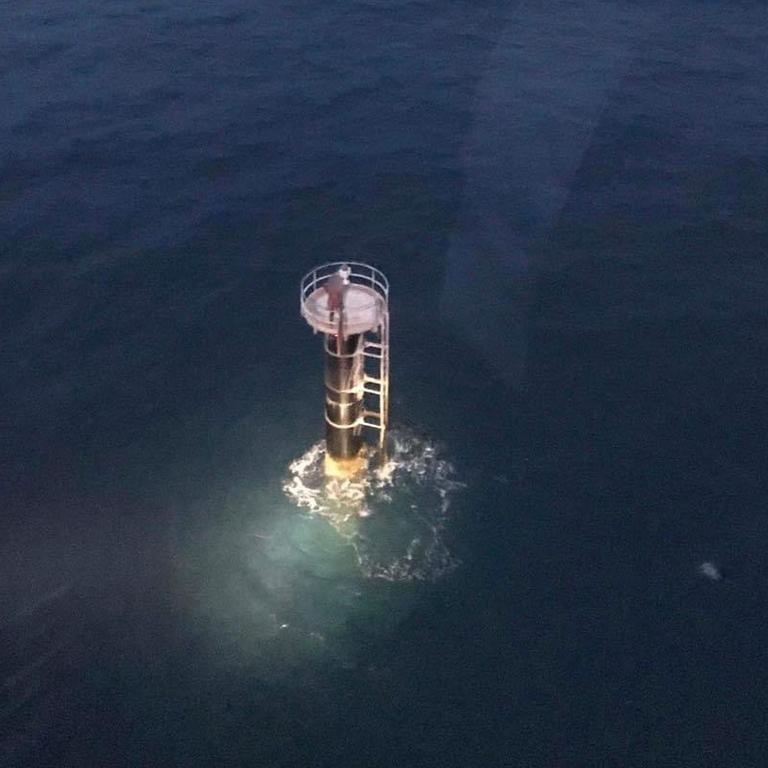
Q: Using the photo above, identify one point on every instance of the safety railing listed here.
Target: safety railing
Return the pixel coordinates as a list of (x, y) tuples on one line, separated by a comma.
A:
[(361, 274)]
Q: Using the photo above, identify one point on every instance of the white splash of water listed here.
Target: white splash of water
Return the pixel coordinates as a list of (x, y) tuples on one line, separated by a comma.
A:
[(394, 516)]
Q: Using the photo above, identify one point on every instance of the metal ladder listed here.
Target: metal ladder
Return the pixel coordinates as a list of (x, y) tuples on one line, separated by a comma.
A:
[(377, 385)]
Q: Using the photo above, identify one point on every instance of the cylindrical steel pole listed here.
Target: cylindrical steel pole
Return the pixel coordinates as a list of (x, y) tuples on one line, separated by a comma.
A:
[(343, 396)]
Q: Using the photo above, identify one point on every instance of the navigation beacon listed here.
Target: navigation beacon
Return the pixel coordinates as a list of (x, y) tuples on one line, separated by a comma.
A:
[(348, 302)]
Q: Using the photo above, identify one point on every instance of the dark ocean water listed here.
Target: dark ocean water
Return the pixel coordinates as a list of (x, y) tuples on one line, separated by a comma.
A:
[(570, 203)]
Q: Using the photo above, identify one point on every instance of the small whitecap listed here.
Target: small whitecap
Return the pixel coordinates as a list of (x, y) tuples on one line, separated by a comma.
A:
[(709, 570)]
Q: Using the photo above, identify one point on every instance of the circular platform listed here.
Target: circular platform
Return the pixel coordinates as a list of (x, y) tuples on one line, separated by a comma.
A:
[(365, 298), (363, 310)]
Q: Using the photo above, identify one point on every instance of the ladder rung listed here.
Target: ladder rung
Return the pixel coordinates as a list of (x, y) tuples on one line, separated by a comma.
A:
[(376, 386)]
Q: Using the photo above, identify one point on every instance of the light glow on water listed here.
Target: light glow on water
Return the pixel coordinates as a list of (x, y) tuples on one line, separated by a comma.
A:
[(286, 578), (394, 517)]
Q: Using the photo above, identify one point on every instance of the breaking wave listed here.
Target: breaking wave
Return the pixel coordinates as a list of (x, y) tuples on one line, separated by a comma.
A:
[(394, 516)]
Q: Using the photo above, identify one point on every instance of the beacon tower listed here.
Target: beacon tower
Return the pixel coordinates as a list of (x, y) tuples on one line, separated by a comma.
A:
[(348, 302)]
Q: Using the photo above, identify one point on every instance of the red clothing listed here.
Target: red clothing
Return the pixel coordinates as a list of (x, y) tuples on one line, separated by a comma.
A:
[(334, 287)]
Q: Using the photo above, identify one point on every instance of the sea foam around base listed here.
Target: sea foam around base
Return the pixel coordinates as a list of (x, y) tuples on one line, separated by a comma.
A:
[(395, 516)]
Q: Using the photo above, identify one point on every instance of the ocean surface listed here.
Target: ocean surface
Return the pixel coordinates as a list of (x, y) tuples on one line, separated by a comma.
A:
[(570, 200)]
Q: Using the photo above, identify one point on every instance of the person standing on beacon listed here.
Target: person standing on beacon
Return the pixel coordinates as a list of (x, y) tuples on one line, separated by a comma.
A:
[(335, 286)]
